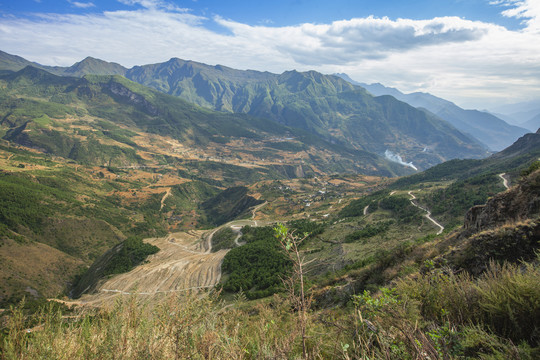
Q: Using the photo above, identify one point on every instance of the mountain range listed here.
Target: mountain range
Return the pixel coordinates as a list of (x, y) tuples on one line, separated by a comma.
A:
[(93, 120), (326, 106), (486, 127)]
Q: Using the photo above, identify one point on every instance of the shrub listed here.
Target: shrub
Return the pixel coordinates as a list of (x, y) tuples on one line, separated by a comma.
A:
[(223, 239), (134, 251), (510, 301), (258, 266), (534, 166), (368, 231), (401, 207)]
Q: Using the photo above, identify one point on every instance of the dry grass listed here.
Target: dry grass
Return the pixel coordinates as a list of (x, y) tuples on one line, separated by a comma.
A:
[(48, 265), (191, 326), (438, 315)]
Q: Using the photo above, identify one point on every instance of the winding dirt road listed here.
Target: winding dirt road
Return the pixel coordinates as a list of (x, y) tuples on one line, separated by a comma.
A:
[(505, 181), (237, 229), (428, 213)]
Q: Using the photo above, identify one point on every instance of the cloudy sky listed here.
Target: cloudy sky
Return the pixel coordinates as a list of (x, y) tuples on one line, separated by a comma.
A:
[(477, 53)]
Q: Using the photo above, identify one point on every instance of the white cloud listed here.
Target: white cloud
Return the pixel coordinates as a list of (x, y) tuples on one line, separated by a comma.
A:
[(529, 10), (154, 4), (81, 5), (470, 62), (349, 41)]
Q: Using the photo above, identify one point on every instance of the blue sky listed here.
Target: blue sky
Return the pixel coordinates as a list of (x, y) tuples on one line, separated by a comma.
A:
[(286, 12), (474, 52)]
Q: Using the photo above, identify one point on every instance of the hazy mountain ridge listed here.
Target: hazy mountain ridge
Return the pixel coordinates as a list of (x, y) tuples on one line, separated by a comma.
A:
[(533, 123), (525, 114), (487, 128)]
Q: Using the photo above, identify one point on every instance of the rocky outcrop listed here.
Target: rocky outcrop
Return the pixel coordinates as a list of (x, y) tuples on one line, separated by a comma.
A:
[(517, 204), (506, 228), (132, 98), (511, 243)]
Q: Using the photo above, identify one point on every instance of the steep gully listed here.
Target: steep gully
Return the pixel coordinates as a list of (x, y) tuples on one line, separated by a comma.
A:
[(167, 194)]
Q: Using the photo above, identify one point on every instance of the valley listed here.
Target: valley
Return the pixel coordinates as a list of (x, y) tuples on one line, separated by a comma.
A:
[(153, 210)]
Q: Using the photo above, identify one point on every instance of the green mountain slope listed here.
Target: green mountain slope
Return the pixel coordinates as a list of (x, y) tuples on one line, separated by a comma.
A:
[(326, 106), (57, 217), (31, 93), (451, 188)]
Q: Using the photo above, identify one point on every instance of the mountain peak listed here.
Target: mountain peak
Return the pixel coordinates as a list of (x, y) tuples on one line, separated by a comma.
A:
[(89, 58), (175, 60), (90, 65), (33, 72)]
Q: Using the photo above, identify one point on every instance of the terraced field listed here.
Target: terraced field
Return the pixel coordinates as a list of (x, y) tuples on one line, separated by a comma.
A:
[(184, 263)]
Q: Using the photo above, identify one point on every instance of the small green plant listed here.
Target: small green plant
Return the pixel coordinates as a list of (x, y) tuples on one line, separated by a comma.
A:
[(370, 305)]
